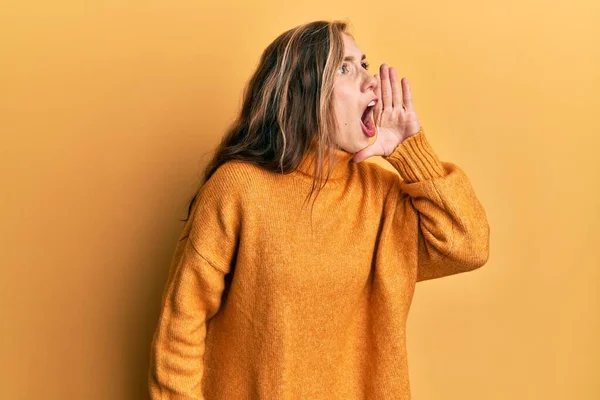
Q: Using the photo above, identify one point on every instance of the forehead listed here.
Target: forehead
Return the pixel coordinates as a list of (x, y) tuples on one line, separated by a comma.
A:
[(350, 47)]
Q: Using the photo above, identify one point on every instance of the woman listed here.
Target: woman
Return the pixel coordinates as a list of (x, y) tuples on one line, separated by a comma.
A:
[(267, 300)]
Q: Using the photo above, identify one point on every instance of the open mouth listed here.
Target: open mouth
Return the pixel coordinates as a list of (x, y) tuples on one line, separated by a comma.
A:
[(367, 123)]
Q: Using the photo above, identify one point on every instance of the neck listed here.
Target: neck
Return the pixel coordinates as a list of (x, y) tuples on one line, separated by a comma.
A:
[(341, 164)]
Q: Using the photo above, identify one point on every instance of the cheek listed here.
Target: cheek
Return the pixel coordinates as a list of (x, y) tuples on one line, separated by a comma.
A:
[(343, 106), (346, 99)]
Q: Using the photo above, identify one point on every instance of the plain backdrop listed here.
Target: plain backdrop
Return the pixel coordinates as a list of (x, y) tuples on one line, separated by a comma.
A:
[(109, 111)]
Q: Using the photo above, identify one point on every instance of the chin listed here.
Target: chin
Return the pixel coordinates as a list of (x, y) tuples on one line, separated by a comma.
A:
[(356, 147)]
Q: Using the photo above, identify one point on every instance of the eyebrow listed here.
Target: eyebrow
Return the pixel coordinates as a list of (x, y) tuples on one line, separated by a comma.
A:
[(351, 58)]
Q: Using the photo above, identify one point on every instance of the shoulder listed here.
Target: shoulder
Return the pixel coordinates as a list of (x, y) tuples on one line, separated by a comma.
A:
[(221, 201), (236, 182), (226, 187), (234, 177)]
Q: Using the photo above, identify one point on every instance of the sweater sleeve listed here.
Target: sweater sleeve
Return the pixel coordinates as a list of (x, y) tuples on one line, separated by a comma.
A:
[(452, 229), (194, 288)]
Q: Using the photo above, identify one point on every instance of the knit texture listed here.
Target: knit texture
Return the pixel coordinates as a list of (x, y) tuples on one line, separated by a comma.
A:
[(263, 301)]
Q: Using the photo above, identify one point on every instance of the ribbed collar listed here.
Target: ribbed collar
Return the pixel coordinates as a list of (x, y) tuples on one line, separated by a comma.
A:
[(342, 162)]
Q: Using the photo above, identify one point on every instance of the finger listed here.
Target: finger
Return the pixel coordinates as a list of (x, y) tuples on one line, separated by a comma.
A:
[(396, 93), (386, 88), (407, 94), (378, 106)]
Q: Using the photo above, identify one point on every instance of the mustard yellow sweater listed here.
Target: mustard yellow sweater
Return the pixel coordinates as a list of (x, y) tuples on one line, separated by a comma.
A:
[(259, 305)]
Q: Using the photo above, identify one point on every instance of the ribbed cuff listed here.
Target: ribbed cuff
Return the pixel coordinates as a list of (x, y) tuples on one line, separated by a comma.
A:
[(415, 160)]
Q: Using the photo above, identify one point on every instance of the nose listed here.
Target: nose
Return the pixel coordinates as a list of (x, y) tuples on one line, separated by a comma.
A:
[(370, 82)]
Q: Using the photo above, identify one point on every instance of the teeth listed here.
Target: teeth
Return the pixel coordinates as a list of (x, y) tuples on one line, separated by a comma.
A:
[(372, 103)]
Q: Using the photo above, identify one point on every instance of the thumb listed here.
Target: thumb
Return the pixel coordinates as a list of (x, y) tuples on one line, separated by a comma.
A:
[(363, 154)]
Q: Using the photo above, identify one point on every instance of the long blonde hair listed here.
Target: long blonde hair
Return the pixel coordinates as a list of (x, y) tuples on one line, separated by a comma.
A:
[(288, 104)]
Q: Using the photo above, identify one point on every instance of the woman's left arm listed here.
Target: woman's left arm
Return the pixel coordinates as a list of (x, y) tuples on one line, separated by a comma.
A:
[(453, 231)]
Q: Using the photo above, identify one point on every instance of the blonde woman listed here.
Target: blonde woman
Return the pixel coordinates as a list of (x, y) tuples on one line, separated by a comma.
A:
[(269, 299)]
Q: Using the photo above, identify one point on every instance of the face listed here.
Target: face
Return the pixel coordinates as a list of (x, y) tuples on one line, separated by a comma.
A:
[(354, 88)]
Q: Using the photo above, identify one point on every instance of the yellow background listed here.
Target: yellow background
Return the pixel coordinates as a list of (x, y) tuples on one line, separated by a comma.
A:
[(109, 110)]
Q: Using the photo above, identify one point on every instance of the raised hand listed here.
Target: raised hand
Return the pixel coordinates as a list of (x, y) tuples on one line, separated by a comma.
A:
[(394, 114)]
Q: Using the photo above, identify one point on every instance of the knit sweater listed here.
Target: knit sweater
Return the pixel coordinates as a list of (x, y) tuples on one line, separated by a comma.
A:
[(265, 301)]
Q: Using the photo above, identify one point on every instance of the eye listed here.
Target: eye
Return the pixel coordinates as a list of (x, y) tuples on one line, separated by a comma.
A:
[(364, 64)]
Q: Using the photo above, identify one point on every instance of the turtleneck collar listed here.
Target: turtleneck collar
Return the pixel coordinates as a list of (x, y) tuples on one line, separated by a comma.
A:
[(342, 162)]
